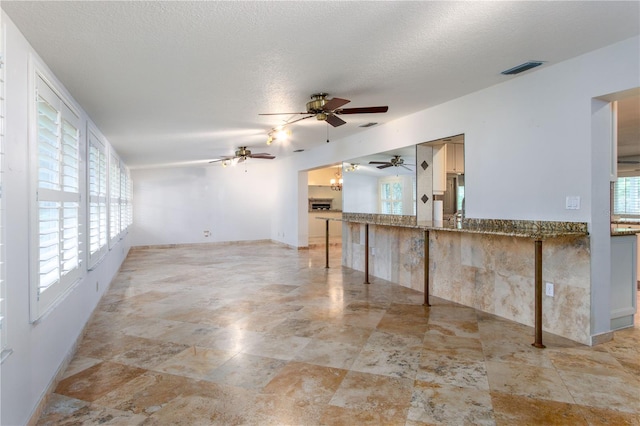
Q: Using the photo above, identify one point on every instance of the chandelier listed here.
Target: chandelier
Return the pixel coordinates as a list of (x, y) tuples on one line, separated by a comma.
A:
[(336, 183)]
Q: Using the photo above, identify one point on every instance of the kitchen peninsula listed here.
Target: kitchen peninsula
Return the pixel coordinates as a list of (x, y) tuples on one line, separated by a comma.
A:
[(490, 265)]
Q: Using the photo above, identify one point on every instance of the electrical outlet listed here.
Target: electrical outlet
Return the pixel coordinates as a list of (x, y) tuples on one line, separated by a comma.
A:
[(549, 289), (207, 233), (373, 251)]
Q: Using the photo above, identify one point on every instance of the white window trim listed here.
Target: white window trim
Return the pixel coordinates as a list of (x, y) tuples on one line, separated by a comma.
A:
[(42, 303), (99, 143), (114, 161), (626, 213), (391, 180)]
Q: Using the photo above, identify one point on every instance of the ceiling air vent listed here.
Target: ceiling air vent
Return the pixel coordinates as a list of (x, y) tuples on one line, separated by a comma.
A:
[(522, 67), (368, 125)]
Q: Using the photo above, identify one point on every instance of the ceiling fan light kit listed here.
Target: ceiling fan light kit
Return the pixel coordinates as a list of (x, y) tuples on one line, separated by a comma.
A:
[(278, 134)]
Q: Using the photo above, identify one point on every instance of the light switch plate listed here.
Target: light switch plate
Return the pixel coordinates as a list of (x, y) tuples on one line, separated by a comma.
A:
[(572, 202)]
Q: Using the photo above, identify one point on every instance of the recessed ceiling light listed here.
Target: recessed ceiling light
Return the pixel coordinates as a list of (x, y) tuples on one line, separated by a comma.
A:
[(522, 67), (368, 125)]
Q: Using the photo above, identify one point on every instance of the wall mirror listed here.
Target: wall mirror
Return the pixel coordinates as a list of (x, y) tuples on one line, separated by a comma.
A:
[(383, 183), (441, 182)]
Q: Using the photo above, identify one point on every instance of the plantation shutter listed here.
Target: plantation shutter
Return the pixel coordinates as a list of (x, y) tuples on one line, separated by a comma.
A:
[(114, 202), (97, 199), (58, 198)]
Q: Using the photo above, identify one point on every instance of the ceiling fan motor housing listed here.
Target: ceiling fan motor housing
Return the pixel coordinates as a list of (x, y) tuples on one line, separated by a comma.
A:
[(243, 152), (397, 161), (316, 104)]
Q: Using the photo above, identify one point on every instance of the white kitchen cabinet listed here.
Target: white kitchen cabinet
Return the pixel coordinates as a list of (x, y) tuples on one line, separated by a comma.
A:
[(439, 169), (455, 158), (623, 281)]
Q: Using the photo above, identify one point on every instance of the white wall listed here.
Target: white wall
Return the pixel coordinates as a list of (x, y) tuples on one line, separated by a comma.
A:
[(176, 205), (39, 349)]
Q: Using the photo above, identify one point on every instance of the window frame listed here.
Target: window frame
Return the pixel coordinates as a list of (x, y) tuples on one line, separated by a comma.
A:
[(114, 185), (391, 181), (101, 196), (627, 211), (68, 114)]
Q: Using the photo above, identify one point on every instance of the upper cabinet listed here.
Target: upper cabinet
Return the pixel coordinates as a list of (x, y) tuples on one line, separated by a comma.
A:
[(455, 158)]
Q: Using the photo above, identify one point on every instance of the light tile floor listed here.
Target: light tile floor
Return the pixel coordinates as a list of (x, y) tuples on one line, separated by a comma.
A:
[(263, 334)]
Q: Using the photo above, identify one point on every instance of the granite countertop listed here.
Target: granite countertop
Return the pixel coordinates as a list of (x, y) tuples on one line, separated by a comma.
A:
[(618, 231), (620, 226), (510, 228), (626, 220)]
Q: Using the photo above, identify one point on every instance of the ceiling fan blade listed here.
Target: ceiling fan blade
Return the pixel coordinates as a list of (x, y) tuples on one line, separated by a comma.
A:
[(334, 103), (385, 166), (405, 167), (362, 110), (221, 159), (262, 156), (284, 113), (379, 162), (299, 119), (335, 121)]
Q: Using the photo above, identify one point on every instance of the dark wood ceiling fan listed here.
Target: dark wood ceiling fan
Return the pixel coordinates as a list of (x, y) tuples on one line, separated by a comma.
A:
[(241, 154), (396, 161), (328, 110)]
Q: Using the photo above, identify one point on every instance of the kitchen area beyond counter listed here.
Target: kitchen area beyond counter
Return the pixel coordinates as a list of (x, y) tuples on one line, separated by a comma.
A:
[(325, 200)]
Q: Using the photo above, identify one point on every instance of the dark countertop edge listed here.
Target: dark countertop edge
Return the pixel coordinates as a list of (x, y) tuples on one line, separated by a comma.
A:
[(448, 227), (325, 211)]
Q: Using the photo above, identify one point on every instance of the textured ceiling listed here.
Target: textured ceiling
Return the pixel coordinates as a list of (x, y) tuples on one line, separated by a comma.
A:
[(180, 82)]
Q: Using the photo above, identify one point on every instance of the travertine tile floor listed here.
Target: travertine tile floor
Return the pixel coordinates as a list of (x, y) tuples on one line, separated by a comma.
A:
[(263, 334)]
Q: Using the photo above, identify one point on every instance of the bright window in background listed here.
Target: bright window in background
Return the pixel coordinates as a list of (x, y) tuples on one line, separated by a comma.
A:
[(626, 196), (56, 253), (391, 196)]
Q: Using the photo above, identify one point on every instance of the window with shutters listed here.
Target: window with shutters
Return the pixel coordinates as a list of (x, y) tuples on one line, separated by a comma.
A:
[(626, 196), (123, 198), (56, 254), (97, 196), (129, 198), (114, 198), (391, 196)]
